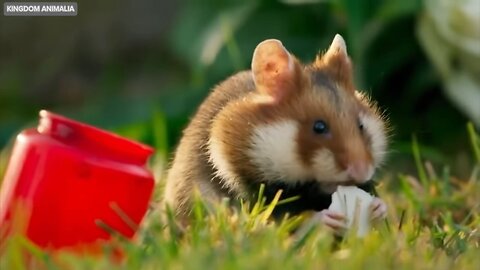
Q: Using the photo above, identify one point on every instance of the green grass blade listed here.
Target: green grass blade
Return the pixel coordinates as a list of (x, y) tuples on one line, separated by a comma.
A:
[(474, 141), (269, 210), (160, 133), (422, 175), (259, 204)]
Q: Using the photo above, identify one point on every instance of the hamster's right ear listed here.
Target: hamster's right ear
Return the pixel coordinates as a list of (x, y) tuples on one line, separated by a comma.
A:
[(275, 71)]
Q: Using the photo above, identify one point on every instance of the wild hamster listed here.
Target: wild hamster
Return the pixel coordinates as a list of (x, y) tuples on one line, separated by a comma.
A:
[(301, 128)]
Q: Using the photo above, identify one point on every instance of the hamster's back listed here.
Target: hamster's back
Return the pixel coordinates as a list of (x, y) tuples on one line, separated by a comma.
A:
[(190, 168)]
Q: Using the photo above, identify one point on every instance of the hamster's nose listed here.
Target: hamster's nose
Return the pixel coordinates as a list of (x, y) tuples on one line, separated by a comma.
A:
[(360, 171)]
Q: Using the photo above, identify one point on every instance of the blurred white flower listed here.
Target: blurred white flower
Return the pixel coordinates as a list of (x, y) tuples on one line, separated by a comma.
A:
[(449, 31)]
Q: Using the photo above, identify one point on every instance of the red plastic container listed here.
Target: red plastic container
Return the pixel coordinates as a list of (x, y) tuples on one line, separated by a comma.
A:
[(65, 177)]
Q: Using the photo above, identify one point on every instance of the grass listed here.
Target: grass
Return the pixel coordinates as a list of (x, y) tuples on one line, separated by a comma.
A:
[(433, 223)]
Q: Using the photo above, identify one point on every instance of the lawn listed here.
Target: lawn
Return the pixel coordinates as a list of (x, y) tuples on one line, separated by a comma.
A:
[(433, 223), (141, 68)]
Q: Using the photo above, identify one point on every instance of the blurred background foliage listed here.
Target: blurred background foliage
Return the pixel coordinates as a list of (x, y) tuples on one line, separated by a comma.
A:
[(140, 68)]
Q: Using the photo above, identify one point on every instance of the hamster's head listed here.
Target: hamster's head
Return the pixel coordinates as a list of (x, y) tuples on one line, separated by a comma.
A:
[(300, 123)]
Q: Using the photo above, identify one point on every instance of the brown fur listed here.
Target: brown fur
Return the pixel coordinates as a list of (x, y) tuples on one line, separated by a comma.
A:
[(322, 90)]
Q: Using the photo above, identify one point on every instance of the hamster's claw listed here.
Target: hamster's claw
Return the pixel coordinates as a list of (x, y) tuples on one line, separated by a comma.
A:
[(378, 209)]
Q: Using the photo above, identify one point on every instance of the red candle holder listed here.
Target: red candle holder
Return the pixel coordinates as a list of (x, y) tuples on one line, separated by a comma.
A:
[(66, 179)]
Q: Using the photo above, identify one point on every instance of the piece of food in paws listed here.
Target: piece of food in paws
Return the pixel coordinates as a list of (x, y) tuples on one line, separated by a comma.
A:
[(354, 203)]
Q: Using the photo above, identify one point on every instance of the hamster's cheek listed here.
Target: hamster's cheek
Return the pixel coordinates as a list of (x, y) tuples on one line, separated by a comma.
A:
[(375, 129), (325, 169), (273, 149)]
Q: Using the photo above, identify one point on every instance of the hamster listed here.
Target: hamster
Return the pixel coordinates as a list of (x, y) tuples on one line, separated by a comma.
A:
[(304, 129)]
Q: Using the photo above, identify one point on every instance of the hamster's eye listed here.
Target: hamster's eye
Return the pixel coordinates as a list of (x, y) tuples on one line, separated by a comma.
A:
[(320, 127)]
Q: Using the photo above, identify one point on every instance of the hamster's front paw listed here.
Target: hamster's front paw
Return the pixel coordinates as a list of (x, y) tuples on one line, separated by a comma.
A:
[(378, 209), (334, 220)]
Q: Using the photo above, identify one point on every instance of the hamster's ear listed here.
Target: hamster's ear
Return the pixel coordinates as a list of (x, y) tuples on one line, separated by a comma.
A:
[(337, 62), (274, 69)]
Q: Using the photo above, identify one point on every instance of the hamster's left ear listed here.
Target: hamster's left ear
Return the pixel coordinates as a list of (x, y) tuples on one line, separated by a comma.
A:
[(337, 62), (275, 71)]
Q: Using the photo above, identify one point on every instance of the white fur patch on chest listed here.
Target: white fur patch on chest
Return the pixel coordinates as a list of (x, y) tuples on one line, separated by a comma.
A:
[(274, 151)]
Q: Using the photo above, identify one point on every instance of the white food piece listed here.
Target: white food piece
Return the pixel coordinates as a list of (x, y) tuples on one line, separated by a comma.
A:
[(354, 203)]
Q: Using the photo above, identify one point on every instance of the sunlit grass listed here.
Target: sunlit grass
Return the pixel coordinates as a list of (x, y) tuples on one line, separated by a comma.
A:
[(433, 223)]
